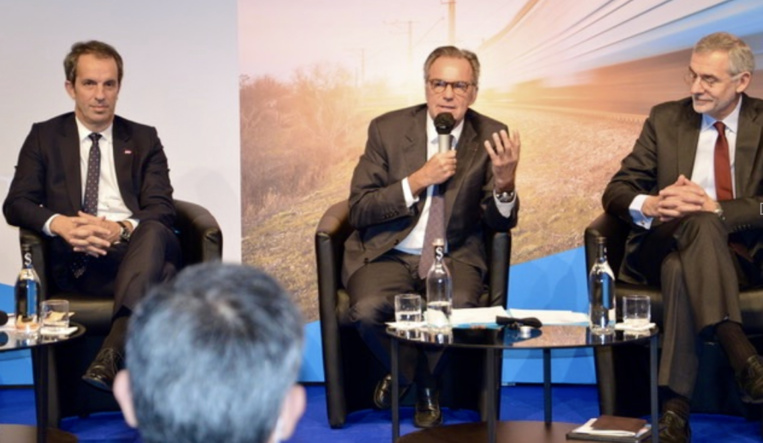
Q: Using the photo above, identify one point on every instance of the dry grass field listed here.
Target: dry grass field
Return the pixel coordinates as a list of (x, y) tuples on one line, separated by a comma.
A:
[(566, 160)]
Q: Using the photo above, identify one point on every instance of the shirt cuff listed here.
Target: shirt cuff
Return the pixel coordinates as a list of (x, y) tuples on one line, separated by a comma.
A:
[(410, 200), (134, 223), (635, 210), (505, 208), (46, 226)]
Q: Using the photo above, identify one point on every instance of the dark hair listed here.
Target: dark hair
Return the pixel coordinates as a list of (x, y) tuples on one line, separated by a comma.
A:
[(212, 355), (454, 52), (99, 49)]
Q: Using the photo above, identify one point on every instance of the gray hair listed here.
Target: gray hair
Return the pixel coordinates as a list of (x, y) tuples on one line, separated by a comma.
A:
[(454, 52), (741, 58), (212, 355)]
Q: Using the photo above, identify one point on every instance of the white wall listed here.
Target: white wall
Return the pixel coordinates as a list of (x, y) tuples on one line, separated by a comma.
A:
[(181, 76)]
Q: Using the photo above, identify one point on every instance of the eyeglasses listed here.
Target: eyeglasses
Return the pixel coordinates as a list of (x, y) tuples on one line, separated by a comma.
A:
[(706, 81), (439, 86)]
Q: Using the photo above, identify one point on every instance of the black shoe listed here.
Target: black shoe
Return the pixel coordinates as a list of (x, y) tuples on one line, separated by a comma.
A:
[(103, 369), (674, 429), (750, 380), (428, 414), (383, 392)]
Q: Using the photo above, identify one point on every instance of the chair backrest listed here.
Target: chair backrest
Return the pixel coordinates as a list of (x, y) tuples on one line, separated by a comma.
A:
[(334, 228), (615, 231)]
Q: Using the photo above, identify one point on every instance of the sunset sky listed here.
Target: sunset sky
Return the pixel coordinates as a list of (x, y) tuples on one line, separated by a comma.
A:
[(517, 40), (277, 37)]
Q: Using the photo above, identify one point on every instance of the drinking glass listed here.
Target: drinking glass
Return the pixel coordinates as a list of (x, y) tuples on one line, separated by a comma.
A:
[(408, 310), (55, 316), (636, 311)]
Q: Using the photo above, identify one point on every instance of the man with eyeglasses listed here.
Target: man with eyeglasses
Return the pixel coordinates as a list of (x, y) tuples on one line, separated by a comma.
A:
[(692, 190), (391, 194)]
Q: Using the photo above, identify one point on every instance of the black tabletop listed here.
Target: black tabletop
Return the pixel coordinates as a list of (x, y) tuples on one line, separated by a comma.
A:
[(546, 337), (11, 340)]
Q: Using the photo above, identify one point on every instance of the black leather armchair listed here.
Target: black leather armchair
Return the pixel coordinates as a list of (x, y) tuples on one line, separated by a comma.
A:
[(622, 371), (200, 239), (351, 370)]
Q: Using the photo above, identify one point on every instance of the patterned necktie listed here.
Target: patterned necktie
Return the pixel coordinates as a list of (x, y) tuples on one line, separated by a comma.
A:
[(722, 165), (435, 229), (90, 204)]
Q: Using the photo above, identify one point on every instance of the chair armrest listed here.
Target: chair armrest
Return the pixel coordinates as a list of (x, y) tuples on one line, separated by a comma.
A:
[(200, 236), (330, 235), (38, 244), (615, 231), (500, 256)]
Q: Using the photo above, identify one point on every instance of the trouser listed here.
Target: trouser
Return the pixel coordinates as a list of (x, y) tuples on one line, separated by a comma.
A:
[(128, 269), (372, 291), (699, 277)]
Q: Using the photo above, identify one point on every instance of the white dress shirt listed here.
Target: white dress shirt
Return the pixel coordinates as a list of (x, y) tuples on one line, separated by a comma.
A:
[(703, 172), (413, 243), (110, 202)]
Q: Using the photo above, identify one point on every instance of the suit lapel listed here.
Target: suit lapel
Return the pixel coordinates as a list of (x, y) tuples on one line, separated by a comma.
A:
[(415, 145), (747, 145), (688, 137), (70, 159), (465, 148), (123, 156)]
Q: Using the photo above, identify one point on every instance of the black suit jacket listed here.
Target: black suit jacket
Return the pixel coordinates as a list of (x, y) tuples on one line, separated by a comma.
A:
[(396, 147), (47, 179), (666, 148)]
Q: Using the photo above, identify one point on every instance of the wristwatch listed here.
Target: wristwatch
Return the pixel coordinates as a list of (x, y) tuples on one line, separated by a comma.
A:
[(124, 232), (719, 212), (505, 196)]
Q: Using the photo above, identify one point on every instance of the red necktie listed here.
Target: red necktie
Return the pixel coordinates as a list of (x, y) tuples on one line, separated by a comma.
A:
[(724, 190)]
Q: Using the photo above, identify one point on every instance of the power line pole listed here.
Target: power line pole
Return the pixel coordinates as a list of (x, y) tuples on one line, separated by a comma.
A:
[(451, 20)]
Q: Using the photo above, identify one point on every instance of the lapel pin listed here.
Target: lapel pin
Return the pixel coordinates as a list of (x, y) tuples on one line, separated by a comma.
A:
[(128, 151)]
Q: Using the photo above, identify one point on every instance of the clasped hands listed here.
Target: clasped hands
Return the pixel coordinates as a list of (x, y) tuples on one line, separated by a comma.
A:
[(86, 232), (677, 200), (504, 157)]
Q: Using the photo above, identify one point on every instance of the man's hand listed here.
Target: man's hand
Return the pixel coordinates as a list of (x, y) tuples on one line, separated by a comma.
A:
[(504, 156), (436, 170), (86, 233), (677, 200)]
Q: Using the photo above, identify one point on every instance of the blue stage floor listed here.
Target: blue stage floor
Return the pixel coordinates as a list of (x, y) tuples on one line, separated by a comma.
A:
[(570, 404)]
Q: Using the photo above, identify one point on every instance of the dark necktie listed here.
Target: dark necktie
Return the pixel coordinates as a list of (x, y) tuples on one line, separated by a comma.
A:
[(435, 229), (724, 190), (90, 203)]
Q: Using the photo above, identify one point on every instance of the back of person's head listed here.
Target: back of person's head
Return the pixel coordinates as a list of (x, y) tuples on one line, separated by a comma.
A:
[(213, 356)]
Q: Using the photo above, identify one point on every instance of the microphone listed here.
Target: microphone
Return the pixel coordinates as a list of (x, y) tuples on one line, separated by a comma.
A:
[(3, 318), (443, 124), (515, 323)]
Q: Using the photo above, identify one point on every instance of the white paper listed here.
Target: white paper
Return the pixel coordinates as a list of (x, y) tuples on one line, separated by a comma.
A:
[(482, 316), (588, 429), (68, 331), (624, 327), (551, 317), (473, 316)]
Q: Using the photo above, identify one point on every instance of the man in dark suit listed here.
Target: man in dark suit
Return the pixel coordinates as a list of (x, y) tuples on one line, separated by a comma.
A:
[(99, 186), (692, 189), (390, 198)]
